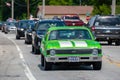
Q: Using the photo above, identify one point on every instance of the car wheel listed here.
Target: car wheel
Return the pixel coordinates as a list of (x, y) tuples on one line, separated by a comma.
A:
[(47, 65), (26, 42), (6, 33), (117, 43), (42, 60), (32, 48), (109, 42), (36, 51), (97, 65), (17, 37)]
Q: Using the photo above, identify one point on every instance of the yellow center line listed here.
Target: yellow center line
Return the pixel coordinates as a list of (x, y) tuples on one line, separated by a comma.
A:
[(111, 61)]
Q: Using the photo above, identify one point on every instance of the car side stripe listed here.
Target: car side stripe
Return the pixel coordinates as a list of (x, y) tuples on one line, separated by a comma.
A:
[(65, 44)]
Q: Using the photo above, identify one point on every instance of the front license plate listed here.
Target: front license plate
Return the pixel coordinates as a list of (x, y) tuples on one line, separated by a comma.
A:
[(74, 59)]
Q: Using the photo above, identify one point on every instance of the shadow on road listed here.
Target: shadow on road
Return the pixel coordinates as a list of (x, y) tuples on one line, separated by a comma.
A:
[(66, 68)]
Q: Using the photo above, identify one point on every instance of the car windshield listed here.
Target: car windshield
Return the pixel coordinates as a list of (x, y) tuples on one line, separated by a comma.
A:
[(11, 24), (30, 21), (72, 17), (107, 22), (31, 25), (46, 25), (23, 25), (69, 34)]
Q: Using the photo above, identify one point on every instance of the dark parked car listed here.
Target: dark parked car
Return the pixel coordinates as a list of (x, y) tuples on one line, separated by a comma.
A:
[(21, 27), (106, 28), (39, 31), (28, 33)]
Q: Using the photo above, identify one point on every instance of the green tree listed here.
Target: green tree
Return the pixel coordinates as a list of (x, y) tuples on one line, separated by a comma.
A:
[(102, 7), (60, 2)]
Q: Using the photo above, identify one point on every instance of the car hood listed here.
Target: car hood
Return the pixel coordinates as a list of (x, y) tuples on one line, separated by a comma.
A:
[(72, 44)]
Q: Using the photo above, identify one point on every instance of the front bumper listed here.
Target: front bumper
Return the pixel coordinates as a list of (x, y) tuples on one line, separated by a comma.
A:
[(75, 59), (107, 37), (21, 33)]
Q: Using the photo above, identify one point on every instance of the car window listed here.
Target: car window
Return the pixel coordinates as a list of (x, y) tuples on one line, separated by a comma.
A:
[(91, 21), (69, 34), (23, 25), (46, 25), (72, 17), (107, 21)]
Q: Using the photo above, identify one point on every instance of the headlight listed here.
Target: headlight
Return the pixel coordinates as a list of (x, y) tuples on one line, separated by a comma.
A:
[(21, 29), (52, 52), (95, 52), (30, 33)]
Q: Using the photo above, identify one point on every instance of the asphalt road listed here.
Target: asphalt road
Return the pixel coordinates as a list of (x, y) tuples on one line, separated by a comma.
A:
[(18, 63)]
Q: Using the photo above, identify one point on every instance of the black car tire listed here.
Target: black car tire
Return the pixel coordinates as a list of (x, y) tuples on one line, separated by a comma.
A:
[(32, 48), (26, 42), (109, 42), (97, 65), (117, 43), (17, 37), (42, 60), (47, 65), (6, 33), (36, 51)]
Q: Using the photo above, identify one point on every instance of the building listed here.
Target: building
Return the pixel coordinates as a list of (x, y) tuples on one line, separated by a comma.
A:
[(51, 11)]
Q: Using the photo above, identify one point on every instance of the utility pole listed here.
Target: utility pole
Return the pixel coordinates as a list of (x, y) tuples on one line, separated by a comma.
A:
[(43, 8), (113, 7), (12, 14), (80, 2), (28, 9)]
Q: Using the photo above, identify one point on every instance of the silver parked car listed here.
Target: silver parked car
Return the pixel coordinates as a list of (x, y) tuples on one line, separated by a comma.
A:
[(10, 27)]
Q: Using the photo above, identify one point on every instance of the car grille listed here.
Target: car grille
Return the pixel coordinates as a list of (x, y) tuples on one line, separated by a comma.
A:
[(107, 31), (75, 51)]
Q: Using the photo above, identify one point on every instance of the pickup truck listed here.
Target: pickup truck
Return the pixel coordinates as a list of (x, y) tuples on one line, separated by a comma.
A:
[(72, 20)]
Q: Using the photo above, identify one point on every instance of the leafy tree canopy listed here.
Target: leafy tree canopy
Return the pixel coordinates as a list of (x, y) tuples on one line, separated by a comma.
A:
[(20, 6)]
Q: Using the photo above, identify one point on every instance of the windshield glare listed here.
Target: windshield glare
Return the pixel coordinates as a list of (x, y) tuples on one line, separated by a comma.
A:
[(69, 34)]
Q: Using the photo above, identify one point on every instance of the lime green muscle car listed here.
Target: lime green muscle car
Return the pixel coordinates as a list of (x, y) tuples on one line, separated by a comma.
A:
[(70, 45)]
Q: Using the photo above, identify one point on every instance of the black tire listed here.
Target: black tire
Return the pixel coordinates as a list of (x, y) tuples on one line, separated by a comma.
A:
[(6, 32), (42, 60), (32, 48), (17, 37), (110, 42), (47, 65), (35, 51), (26, 42), (97, 65), (117, 43)]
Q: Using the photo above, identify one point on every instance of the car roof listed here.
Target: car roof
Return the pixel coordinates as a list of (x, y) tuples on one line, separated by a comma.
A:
[(67, 27), (50, 20), (108, 16), (70, 15)]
